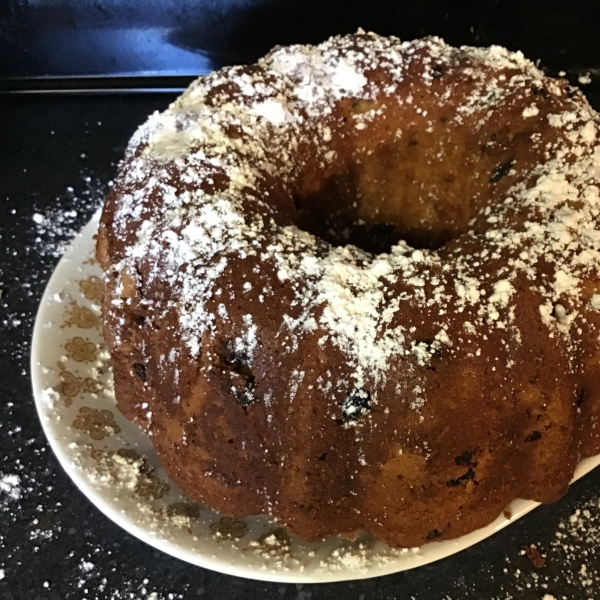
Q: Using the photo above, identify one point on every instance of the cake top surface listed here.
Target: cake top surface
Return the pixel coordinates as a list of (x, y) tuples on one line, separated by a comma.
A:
[(206, 157)]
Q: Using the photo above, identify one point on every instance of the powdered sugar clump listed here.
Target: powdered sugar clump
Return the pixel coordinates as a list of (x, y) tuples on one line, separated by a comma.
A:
[(10, 485), (55, 227)]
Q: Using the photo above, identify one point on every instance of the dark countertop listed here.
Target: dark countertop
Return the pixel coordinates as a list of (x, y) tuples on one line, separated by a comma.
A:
[(58, 154)]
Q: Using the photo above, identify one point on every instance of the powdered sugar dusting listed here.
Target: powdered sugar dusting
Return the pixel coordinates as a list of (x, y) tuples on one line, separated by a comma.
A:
[(356, 299), (10, 486)]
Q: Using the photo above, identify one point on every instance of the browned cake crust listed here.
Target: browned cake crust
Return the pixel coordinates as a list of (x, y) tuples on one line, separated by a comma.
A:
[(357, 286)]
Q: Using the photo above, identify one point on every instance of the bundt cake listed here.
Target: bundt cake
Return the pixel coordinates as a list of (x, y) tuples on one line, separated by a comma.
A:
[(356, 286)]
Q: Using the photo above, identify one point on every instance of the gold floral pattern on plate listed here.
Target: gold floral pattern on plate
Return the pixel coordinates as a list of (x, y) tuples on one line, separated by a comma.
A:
[(107, 460), (151, 487), (80, 316), (135, 457), (81, 350), (138, 472), (97, 423), (183, 509), (227, 527), (92, 288), (71, 385)]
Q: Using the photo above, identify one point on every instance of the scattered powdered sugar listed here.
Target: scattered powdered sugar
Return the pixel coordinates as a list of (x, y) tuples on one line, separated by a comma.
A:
[(55, 227), (245, 344), (92, 582), (360, 558), (33, 510), (501, 58), (10, 486), (347, 79), (317, 77), (355, 311), (577, 542), (48, 232), (531, 111), (595, 301), (272, 111)]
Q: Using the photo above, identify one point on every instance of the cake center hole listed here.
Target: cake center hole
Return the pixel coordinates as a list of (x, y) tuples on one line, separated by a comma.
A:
[(419, 186)]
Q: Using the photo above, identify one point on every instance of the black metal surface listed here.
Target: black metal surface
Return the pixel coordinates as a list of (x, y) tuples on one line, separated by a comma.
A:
[(46, 38), (95, 84)]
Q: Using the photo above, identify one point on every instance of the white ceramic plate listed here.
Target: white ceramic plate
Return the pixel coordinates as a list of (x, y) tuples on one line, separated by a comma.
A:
[(114, 465)]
